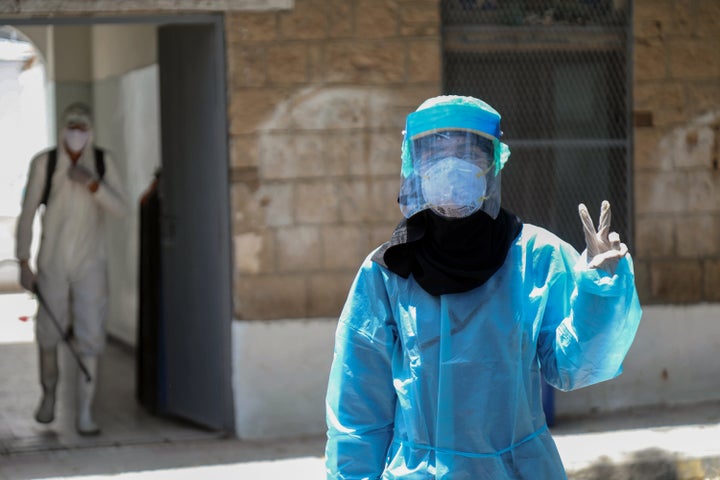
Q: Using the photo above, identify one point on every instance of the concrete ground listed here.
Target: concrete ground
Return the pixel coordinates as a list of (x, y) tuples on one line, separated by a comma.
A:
[(673, 443)]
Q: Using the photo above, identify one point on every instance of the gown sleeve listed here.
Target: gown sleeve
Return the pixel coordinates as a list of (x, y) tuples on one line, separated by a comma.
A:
[(589, 322), (360, 401)]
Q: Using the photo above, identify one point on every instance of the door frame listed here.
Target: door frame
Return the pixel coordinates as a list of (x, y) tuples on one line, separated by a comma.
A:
[(215, 20)]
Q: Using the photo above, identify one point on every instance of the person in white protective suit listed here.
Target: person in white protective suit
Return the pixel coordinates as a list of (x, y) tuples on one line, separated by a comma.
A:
[(71, 261), (450, 326)]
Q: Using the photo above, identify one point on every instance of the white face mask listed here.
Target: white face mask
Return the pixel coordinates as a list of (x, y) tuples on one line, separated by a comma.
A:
[(453, 187), (76, 139)]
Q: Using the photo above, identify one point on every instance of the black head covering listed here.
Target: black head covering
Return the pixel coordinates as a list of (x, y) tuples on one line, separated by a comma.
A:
[(449, 255)]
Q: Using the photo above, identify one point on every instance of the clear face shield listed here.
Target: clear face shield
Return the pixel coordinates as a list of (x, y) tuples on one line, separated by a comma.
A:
[(451, 169), (454, 175)]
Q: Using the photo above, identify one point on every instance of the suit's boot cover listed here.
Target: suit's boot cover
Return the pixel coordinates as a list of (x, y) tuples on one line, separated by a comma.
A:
[(84, 422), (48, 361)]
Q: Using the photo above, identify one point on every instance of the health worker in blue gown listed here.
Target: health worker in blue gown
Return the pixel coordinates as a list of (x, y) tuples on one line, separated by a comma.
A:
[(450, 326)]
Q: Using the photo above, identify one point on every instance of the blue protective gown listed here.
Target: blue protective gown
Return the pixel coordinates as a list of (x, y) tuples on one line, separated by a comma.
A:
[(449, 387)]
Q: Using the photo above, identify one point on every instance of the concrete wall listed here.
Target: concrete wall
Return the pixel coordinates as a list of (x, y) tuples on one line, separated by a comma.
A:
[(72, 61), (283, 393), (125, 96), (673, 361)]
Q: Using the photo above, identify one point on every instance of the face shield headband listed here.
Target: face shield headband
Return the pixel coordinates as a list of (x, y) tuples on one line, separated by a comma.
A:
[(462, 117)]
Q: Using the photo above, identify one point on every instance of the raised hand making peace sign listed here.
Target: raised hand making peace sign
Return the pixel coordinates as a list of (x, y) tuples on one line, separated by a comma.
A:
[(604, 249)]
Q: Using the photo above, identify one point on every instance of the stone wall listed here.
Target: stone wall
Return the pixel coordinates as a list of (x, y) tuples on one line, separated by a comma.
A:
[(677, 150), (318, 97)]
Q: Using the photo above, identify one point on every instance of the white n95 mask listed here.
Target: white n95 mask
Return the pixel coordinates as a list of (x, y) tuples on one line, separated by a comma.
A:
[(453, 187), (76, 139)]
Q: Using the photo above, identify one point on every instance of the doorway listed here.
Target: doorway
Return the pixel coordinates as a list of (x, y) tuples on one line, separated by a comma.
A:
[(195, 298)]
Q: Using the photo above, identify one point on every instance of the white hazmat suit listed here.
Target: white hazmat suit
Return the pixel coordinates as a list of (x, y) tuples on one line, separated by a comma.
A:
[(72, 256)]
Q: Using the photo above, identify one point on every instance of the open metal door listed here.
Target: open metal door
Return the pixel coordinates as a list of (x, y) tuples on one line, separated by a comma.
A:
[(195, 280)]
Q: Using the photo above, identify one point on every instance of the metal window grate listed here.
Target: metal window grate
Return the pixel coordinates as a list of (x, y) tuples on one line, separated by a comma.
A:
[(557, 71)]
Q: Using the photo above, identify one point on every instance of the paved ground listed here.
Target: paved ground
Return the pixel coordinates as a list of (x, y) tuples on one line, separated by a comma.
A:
[(672, 443)]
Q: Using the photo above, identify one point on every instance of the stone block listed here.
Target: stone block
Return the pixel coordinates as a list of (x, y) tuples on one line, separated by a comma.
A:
[(698, 236), (298, 249), (658, 95), (389, 109), (420, 30), (328, 108), (649, 27), (343, 247), (671, 117), (251, 108), (420, 18), (247, 66), (243, 151), (650, 59), (246, 216), (308, 20), (267, 297), (420, 11), (328, 292), (316, 203), (340, 19), (249, 27), (703, 191), (642, 281), (254, 253), (383, 194), (424, 62), (661, 192), (289, 156), (315, 63), (381, 232), (707, 19), (364, 62), (711, 270), (287, 63), (694, 146), (9, 6), (684, 19), (652, 151), (346, 154), (652, 18), (353, 197), (369, 201), (694, 58), (376, 18), (654, 237), (276, 201), (678, 281), (384, 154), (703, 95)]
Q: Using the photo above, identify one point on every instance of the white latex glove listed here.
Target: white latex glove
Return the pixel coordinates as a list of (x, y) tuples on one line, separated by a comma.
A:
[(27, 277), (80, 174), (604, 249)]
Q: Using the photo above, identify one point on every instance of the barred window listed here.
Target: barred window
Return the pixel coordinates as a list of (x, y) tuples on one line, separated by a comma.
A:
[(558, 72)]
